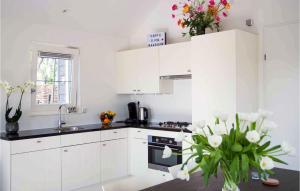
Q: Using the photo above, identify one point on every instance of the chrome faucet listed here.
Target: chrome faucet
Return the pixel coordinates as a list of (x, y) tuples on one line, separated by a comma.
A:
[(60, 122)]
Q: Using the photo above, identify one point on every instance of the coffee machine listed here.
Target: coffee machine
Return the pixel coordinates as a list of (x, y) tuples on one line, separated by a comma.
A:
[(133, 113), (137, 114)]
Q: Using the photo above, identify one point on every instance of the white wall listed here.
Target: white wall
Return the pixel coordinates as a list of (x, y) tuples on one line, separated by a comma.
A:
[(97, 84)]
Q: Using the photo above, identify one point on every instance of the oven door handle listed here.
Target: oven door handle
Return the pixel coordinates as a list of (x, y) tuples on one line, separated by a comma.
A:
[(173, 149)]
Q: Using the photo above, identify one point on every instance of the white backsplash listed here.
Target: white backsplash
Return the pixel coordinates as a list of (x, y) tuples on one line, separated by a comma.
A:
[(169, 107)]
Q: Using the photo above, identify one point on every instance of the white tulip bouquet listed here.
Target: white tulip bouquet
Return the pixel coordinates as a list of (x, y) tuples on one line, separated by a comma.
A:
[(234, 149)]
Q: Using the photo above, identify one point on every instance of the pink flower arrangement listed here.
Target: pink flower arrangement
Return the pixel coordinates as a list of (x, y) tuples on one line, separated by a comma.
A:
[(198, 15)]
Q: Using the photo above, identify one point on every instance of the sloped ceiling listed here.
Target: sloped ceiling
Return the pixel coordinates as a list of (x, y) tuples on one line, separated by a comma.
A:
[(114, 17)]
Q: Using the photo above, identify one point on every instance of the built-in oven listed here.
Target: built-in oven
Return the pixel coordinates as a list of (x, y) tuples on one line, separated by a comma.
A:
[(156, 147)]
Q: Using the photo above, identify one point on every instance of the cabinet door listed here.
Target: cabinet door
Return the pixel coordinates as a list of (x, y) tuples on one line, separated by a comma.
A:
[(40, 170), (126, 75), (148, 71), (175, 59), (80, 166), (114, 159), (138, 157)]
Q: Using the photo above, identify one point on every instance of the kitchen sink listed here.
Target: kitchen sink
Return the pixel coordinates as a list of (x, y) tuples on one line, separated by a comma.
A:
[(73, 128)]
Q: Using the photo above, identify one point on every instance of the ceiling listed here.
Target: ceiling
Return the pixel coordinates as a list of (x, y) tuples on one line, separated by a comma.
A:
[(114, 17)]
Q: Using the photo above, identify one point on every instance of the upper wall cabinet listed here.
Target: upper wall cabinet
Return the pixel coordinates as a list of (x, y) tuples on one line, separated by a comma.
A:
[(175, 59), (138, 72), (225, 73)]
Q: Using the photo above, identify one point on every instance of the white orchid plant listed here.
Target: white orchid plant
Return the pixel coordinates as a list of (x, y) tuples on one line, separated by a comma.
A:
[(9, 90), (234, 149)]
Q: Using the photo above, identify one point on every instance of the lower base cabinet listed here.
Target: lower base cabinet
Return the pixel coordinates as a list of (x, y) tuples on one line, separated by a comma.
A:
[(40, 171), (80, 166), (138, 157), (114, 159)]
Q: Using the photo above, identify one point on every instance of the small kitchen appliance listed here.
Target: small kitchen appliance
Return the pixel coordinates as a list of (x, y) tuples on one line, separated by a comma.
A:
[(156, 147), (133, 113), (143, 115)]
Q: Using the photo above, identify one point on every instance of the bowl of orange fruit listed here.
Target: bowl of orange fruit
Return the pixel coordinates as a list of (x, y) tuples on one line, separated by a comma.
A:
[(107, 117)]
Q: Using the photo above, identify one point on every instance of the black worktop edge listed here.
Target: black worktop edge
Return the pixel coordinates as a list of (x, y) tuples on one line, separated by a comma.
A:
[(49, 132)]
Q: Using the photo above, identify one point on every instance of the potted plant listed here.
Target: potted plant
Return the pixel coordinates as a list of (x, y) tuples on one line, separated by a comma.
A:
[(232, 148), (12, 125), (197, 15)]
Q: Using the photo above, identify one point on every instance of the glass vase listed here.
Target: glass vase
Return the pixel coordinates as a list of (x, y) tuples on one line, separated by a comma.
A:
[(12, 128), (229, 183)]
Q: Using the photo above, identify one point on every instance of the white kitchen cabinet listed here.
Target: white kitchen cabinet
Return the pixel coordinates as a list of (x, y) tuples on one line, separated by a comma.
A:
[(80, 166), (114, 159), (175, 59), (127, 71), (138, 157), (138, 72), (39, 170), (225, 73)]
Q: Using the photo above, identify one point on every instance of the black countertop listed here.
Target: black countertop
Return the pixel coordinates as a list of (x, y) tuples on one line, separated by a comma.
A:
[(289, 181), (37, 133)]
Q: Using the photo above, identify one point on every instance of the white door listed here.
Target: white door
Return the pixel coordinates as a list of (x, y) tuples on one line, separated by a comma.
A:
[(148, 70), (80, 166), (114, 159), (175, 59), (40, 170), (138, 157), (281, 84), (126, 66)]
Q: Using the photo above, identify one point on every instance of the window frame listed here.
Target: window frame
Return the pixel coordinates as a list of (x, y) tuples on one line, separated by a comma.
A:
[(45, 109)]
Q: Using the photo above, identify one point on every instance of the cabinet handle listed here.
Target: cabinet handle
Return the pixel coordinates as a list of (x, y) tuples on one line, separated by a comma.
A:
[(138, 131), (138, 90), (134, 90), (164, 175), (115, 132), (38, 141), (188, 70), (66, 150), (144, 142), (104, 145)]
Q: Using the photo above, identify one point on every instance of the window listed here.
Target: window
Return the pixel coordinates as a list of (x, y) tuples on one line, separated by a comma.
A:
[(55, 71)]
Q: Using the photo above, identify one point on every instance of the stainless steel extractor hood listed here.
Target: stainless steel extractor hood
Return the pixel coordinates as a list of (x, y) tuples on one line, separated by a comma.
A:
[(176, 77)]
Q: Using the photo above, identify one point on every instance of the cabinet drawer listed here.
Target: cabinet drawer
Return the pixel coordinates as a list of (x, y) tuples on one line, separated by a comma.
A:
[(138, 133), (35, 144), (114, 134), (80, 138)]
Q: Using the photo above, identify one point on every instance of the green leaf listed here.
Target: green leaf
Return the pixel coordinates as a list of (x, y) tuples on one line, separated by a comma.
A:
[(254, 164), (272, 149), (237, 147), (245, 167), (263, 147), (253, 126), (199, 149), (234, 168), (195, 169), (277, 160), (217, 121), (237, 121), (247, 148), (210, 131), (232, 136)]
